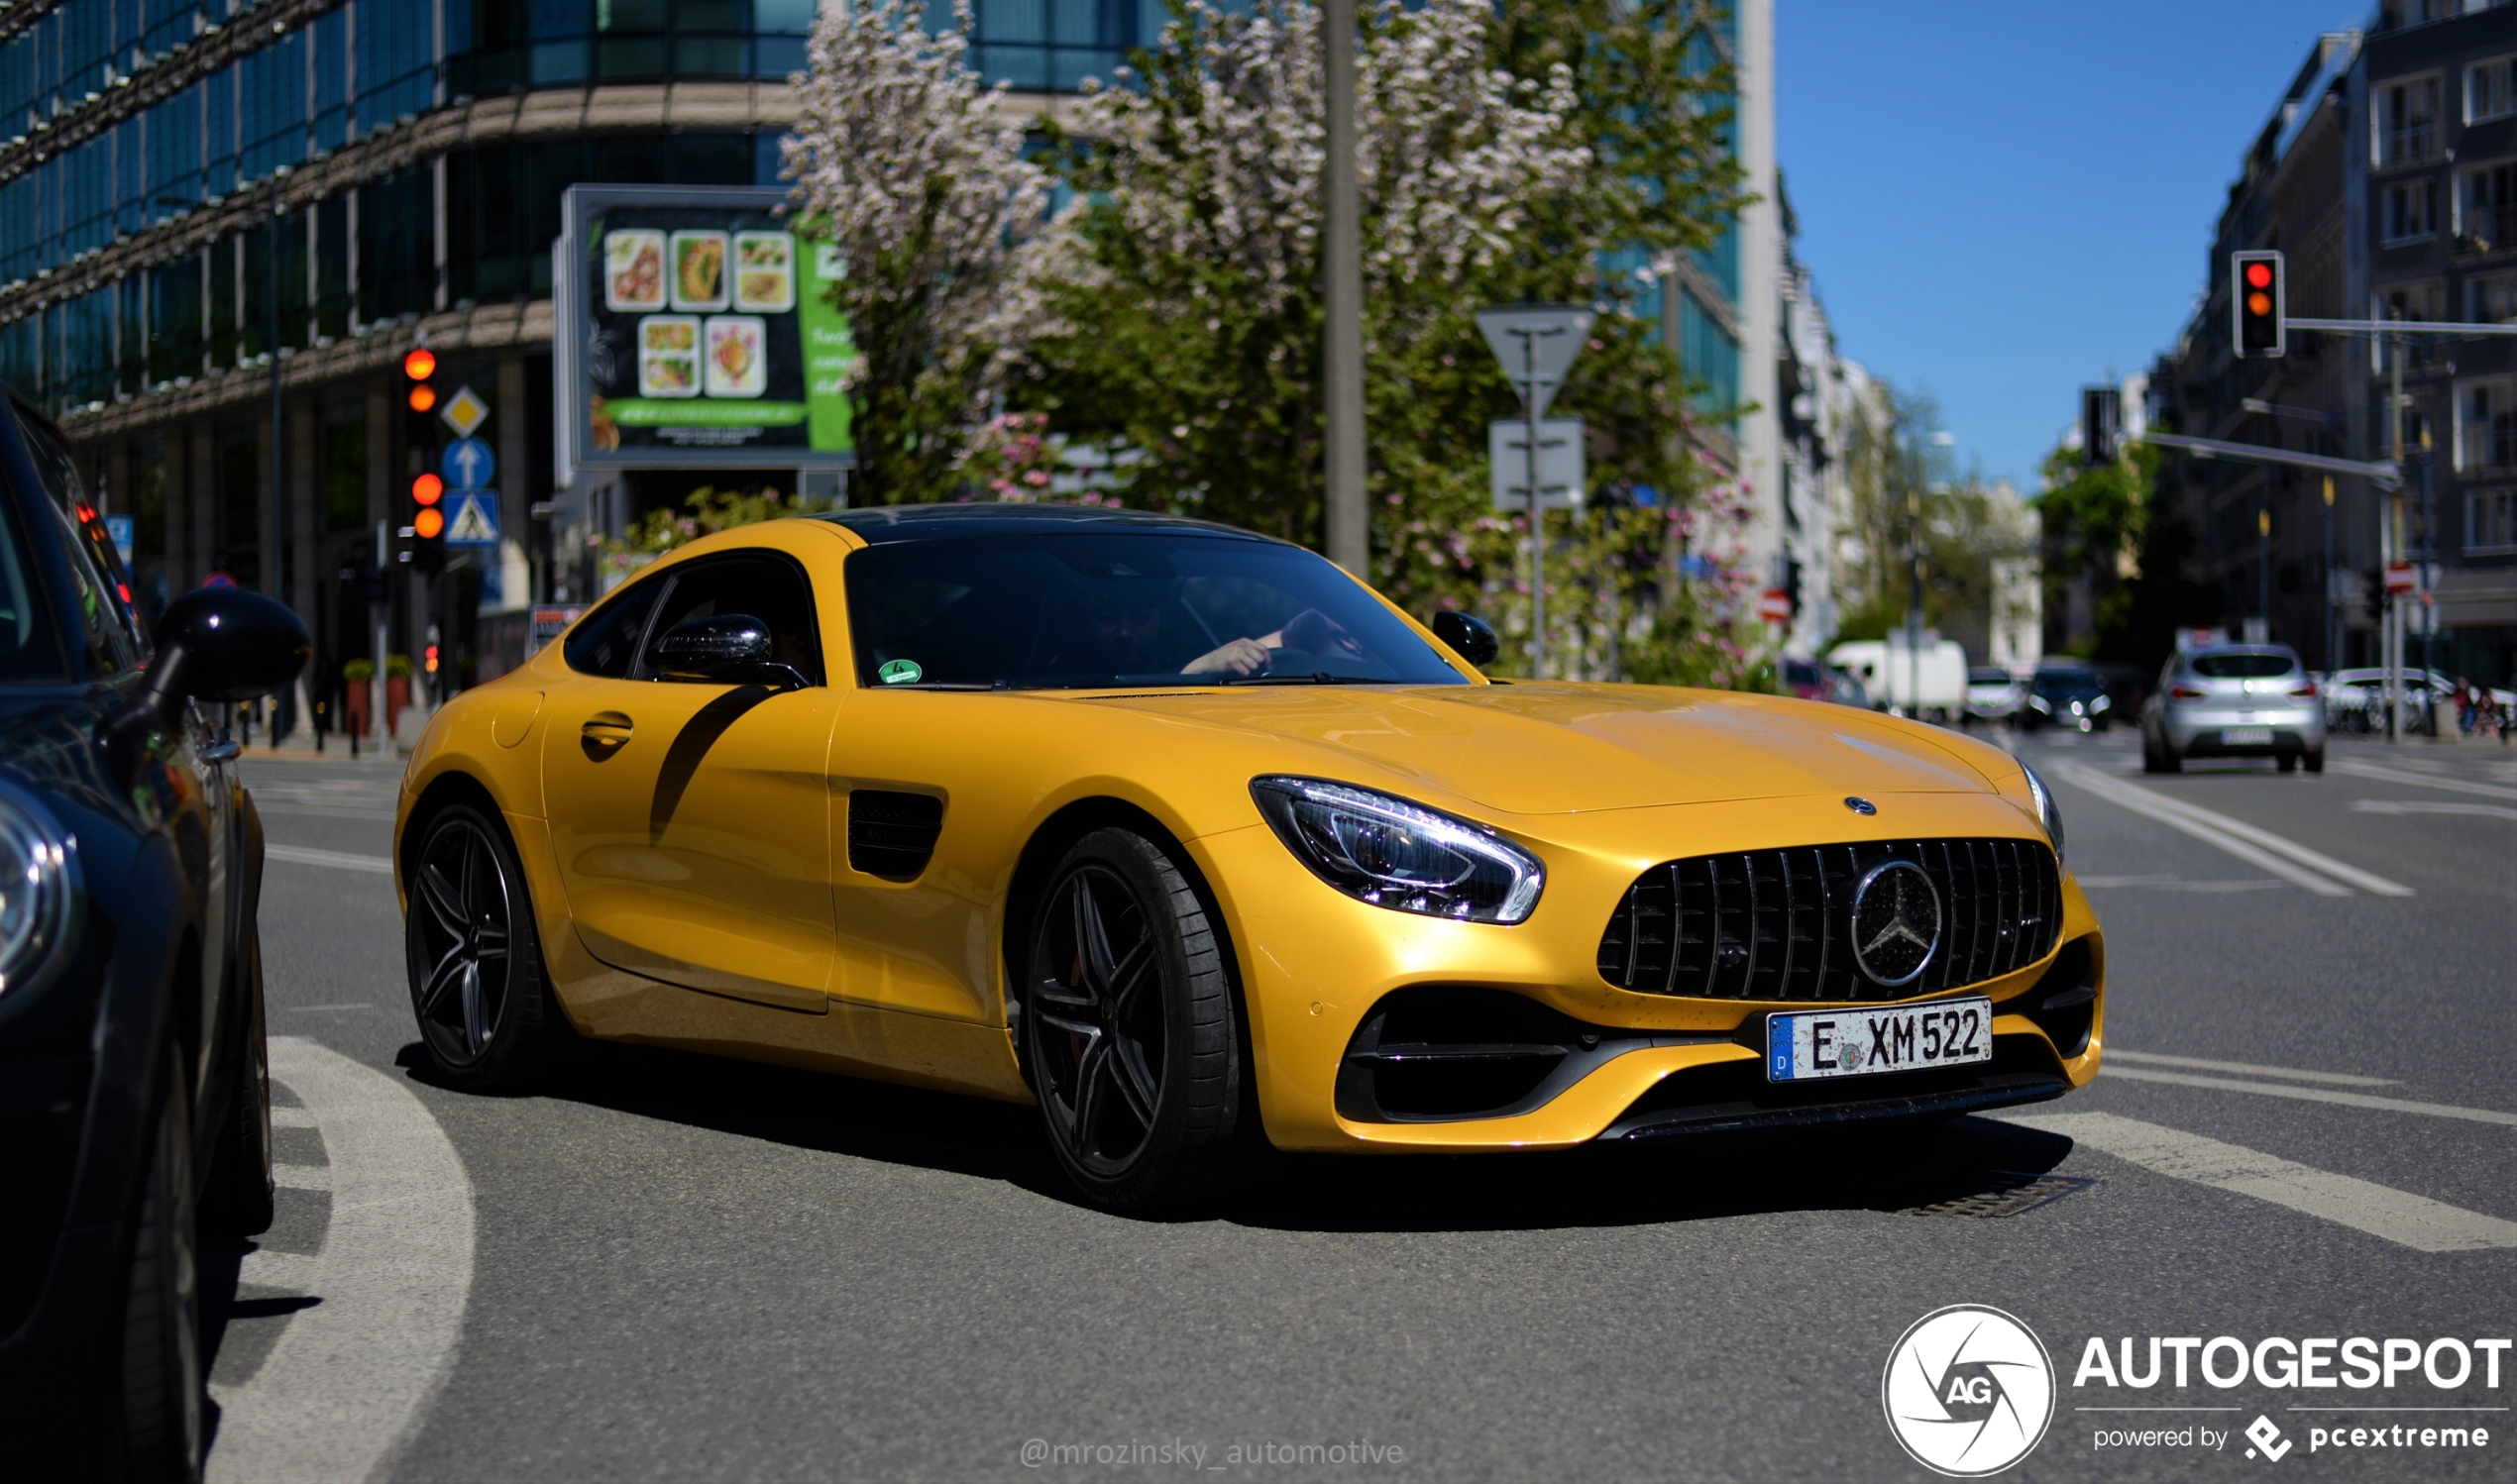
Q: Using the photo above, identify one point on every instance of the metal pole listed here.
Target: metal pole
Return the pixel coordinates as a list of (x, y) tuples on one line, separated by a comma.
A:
[(2263, 560), (279, 456), (2332, 642), (1348, 531), (2428, 588), (2391, 634), (1914, 605), (1537, 513), (383, 617)]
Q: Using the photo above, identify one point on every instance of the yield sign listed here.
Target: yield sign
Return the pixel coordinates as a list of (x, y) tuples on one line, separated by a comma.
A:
[(1536, 343)]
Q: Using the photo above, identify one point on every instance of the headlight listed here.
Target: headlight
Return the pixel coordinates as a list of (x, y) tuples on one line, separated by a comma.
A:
[(2046, 813), (2100, 702), (39, 889), (1401, 855)]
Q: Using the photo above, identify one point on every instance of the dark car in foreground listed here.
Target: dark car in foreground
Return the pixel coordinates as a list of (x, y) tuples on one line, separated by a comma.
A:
[(134, 1099), (2066, 696)]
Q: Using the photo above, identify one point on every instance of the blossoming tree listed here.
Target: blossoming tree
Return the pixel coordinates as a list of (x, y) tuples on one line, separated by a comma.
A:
[(916, 172)]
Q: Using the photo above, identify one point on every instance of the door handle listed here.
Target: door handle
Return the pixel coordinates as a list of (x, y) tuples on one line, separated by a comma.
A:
[(604, 733)]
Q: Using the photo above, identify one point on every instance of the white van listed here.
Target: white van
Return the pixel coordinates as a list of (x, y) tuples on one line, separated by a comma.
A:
[(1887, 669)]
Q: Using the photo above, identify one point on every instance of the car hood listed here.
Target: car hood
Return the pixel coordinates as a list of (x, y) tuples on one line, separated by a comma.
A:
[(1547, 749)]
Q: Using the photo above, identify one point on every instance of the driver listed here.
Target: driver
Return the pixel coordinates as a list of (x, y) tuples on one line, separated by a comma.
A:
[(1130, 637)]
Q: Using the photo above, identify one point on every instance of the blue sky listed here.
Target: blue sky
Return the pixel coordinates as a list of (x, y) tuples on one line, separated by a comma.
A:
[(2003, 201)]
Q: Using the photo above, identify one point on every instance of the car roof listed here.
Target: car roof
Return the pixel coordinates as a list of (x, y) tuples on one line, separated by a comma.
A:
[(2283, 650), (884, 524)]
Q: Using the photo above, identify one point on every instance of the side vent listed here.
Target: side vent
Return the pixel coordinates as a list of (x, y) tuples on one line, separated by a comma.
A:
[(892, 836)]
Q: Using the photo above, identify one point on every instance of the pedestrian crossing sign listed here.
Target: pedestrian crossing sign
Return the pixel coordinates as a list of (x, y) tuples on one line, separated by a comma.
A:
[(474, 520)]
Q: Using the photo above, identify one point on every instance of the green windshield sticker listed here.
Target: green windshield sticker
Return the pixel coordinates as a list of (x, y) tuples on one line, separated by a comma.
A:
[(899, 672)]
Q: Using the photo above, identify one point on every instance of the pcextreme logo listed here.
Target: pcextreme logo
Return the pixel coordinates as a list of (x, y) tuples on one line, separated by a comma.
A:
[(1968, 1391)]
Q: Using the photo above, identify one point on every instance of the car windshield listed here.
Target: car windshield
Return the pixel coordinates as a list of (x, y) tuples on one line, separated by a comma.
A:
[(2064, 681), (31, 651), (1980, 676), (2242, 666), (1086, 610)]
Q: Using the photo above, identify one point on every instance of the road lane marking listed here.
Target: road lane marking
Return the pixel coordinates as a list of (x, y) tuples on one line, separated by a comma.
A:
[(338, 860), (2321, 1095), (2422, 780), (351, 1376), (2398, 1217), (2115, 1053), (2425, 807), (2150, 806), (2174, 884), (2258, 847)]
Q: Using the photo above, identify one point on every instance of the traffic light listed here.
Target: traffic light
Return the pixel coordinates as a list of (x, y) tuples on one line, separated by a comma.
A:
[(425, 524), (428, 522), (2256, 290), (2100, 424)]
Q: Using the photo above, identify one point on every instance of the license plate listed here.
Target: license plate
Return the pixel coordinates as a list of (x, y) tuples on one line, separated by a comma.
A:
[(2246, 736), (1806, 1044)]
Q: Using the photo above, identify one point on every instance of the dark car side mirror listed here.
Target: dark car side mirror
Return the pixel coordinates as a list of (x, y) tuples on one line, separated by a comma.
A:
[(223, 644), (730, 649), (1471, 638)]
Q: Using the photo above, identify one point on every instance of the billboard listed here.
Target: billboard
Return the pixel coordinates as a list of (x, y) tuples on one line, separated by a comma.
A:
[(692, 329)]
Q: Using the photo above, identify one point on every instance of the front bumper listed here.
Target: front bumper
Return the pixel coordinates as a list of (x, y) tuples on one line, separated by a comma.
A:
[(2201, 730), (1316, 966)]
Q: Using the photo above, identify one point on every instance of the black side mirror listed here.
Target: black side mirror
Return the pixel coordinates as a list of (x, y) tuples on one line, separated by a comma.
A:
[(730, 649), (1471, 638), (223, 644)]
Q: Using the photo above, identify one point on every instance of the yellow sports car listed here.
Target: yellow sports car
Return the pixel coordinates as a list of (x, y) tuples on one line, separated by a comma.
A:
[(1188, 837)]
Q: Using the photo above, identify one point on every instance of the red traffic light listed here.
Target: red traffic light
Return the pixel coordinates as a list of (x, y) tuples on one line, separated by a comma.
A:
[(2261, 319), (420, 364), (427, 490), (2259, 275), (428, 523)]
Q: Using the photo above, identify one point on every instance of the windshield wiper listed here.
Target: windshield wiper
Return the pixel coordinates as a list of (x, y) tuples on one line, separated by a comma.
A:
[(1315, 678)]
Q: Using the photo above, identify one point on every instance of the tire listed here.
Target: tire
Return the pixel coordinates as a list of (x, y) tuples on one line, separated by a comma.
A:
[(1129, 1030), (239, 1200), (477, 986), (2315, 759), (2149, 757), (2289, 761), (2170, 760), (159, 1384)]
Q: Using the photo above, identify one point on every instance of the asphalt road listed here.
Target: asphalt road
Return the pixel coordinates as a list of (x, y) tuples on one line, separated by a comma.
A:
[(675, 1268)]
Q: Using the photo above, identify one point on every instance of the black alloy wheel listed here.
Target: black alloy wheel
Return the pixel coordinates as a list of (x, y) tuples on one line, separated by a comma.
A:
[(1128, 1026), (160, 1382), (241, 1197), (476, 969)]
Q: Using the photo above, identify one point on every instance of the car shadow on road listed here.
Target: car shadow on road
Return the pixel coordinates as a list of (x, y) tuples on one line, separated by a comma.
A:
[(1886, 1169)]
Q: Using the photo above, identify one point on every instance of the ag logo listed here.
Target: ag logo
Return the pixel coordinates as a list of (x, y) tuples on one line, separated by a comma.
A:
[(1968, 1391)]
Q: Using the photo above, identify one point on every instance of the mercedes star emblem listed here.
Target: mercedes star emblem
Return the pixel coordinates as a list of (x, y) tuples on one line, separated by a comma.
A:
[(1896, 922)]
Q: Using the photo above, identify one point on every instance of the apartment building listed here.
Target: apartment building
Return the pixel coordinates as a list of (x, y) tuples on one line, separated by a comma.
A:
[(2388, 176)]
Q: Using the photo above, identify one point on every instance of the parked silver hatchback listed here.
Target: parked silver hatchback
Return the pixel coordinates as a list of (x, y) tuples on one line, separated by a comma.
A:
[(2233, 700)]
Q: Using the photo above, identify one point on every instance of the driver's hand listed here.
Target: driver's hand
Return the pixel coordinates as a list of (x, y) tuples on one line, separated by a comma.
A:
[(1242, 657)]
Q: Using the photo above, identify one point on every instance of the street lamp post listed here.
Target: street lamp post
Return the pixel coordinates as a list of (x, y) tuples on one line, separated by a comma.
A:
[(1349, 538)]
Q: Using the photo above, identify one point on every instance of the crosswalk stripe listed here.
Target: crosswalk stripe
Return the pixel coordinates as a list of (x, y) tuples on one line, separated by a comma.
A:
[(2398, 1217), (2172, 811), (2319, 1094), (338, 860)]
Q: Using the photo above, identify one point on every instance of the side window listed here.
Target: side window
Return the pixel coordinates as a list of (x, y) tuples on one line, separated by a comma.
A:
[(762, 586), (606, 643), (110, 628)]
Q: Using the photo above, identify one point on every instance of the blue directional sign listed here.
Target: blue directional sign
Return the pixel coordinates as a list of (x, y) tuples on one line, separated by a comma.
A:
[(468, 464), (119, 527), (472, 517)]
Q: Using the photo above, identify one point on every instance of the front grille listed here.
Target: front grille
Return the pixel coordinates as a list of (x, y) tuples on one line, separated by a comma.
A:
[(1776, 925)]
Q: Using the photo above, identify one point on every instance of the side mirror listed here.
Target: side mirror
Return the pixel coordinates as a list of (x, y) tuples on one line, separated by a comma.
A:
[(730, 649), (1471, 638), (223, 644)]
